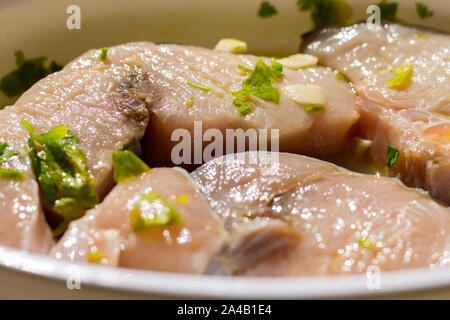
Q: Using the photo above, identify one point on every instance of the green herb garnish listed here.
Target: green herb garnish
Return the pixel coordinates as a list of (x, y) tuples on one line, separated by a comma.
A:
[(388, 10), (327, 12), (392, 155), (6, 154), (242, 68), (258, 84), (243, 107), (277, 69), (266, 10), (314, 109), (190, 102), (403, 77), (28, 72), (341, 76), (152, 210), (366, 243), (103, 54), (423, 11), (127, 166), (60, 168), (204, 88)]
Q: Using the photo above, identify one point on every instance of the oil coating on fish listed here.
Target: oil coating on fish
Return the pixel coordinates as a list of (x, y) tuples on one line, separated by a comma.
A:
[(416, 119), (305, 217), (95, 100), (186, 247)]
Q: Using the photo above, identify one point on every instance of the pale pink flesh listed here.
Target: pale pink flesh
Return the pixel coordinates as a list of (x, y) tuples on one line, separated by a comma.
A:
[(305, 217), (412, 120), (106, 103), (185, 247), (98, 102)]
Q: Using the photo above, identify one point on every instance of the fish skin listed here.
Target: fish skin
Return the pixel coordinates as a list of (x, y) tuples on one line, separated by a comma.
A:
[(99, 104), (185, 248), (414, 120), (307, 217)]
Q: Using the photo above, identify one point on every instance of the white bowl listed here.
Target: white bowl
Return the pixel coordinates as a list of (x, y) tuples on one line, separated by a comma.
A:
[(39, 28)]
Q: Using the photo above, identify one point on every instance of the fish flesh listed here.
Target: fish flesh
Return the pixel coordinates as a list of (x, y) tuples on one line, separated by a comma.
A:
[(185, 247), (415, 119), (100, 102), (169, 68), (299, 216)]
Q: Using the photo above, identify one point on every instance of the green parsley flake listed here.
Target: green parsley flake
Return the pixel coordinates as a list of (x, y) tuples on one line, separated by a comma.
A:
[(190, 102), (266, 10), (127, 166), (388, 10), (366, 243), (392, 155), (314, 109), (7, 154), (11, 174), (258, 84), (243, 107), (28, 72), (326, 12), (204, 88), (341, 76), (403, 77), (244, 69), (152, 210), (423, 11), (60, 168), (103, 54)]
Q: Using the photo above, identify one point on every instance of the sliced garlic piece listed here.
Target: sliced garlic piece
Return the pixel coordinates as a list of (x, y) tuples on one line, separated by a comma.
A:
[(309, 94), (231, 45), (297, 61)]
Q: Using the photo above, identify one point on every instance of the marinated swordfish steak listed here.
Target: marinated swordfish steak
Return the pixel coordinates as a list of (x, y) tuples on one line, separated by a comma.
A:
[(111, 234), (300, 216), (188, 84), (100, 103), (402, 76)]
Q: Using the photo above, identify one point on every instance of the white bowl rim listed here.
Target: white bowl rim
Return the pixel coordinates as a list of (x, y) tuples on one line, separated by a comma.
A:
[(163, 284)]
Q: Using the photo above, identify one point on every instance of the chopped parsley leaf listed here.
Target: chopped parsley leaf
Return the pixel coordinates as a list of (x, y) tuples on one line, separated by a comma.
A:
[(243, 107), (153, 210), (341, 76), (103, 54), (60, 168), (127, 166), (28, 72), (314, 109), (242, 68), (366, 243), (266, 10), (423, 11), (258, 84), (190, 102), (204, 88), (327, 12), (403, 77), (388, 10), (6, 154), (392, 155)]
